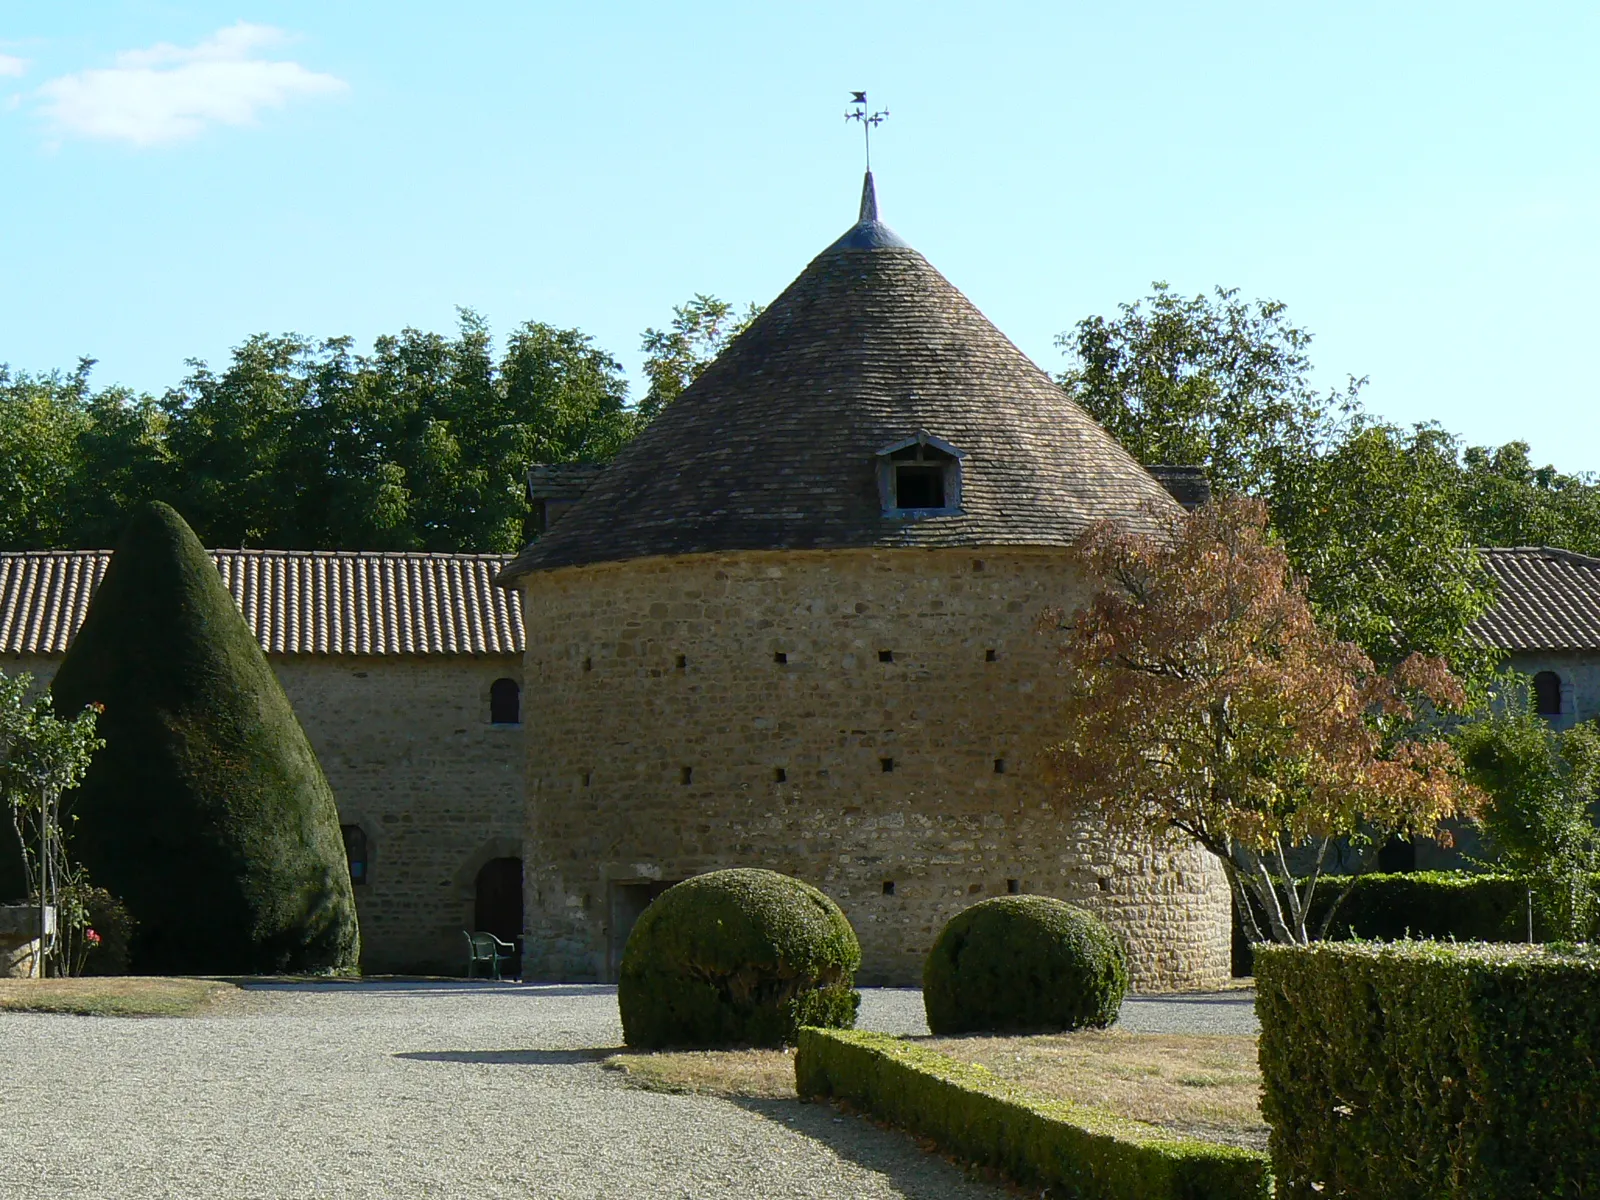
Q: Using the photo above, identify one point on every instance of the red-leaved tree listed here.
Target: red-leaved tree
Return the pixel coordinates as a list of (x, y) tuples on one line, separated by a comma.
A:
[(1205, 700)]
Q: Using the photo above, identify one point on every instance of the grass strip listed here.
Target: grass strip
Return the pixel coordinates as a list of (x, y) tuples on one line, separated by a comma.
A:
[(112, 996), (968, 1111)]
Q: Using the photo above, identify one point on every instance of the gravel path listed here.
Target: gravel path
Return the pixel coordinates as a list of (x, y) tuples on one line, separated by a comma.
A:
[(391, 1091), (394, 1091), (899, 1010)]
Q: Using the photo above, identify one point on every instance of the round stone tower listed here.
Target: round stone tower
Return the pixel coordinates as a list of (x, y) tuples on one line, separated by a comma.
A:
[(793, 626)]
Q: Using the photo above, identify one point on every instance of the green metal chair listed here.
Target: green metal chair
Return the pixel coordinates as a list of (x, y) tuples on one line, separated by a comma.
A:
[(488, 951)]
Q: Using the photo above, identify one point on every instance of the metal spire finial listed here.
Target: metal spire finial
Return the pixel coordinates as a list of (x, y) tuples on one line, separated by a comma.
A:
[(868, 120)]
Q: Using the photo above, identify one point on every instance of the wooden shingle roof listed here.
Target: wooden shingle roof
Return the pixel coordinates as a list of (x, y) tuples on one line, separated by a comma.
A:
[(1547, 599), (296, 601), (773, 446)]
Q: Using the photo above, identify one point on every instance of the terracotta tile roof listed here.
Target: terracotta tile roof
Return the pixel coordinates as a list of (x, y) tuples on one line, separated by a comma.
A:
[(773, 446), (297, 601), (1548, 600)]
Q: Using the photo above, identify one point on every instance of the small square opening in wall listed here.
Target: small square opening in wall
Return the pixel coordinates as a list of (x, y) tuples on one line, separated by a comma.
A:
[(683, 662), (887, 764), (1013, 887), (586, 779), (686, 775), (990, 656), (885, 655), (888, 887), (588, 664), (779, 775), (999, 766), (780, 658)]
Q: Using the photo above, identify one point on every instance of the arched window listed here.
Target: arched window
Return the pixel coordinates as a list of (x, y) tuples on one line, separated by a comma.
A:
[(1547, 694), (505, 702), (355, 852)]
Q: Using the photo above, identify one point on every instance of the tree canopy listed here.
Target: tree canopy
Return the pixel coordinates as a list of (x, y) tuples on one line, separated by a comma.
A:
[(1381, 521), (675, 356), (1205, 699), (1541, 786), (295, 443)]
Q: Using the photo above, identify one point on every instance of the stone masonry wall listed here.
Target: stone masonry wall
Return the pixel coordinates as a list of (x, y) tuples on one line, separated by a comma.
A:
[(1579, 671), (672, 740), (408, 749)]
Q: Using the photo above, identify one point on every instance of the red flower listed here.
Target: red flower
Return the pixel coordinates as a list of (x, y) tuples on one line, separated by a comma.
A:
[(91, 937)]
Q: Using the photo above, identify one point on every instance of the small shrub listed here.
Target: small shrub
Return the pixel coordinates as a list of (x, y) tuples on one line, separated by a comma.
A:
[(737, 958), (1422, 1069), (1023, 964), (113, 924)]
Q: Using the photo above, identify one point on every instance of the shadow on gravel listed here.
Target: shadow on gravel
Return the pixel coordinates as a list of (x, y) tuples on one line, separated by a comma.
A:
[(513, 1058), (440, 987), (1238, 999), (914, 1168)]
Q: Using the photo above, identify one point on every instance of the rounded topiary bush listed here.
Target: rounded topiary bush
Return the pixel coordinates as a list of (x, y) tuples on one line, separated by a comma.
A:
[(737, 958), (1023, 963)]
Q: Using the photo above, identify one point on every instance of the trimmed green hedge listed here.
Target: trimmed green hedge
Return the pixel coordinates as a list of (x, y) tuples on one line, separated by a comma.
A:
[(741, 957), (1423, 1069), (1083, 1151), (1462, 906), (1025, 964), (206, 811), (1435, 904)]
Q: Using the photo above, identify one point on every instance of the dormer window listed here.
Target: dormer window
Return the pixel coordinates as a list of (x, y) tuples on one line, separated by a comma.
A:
[(920, 477)]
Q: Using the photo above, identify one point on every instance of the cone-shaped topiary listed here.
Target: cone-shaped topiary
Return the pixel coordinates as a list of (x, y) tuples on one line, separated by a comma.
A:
[(206, 812), (1023, 964), (737, 958)]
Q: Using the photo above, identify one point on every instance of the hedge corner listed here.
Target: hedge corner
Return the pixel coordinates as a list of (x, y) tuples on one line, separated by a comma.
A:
[(1084, 1151)]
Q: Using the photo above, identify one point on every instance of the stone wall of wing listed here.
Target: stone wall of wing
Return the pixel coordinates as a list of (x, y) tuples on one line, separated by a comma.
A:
[(408, 747), (871, 721)]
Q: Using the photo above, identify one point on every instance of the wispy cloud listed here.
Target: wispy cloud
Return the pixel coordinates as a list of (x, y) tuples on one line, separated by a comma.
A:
[(169, 93), (10, 65)]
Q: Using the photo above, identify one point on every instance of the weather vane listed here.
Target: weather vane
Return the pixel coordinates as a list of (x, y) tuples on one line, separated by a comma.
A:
[(867, 119)]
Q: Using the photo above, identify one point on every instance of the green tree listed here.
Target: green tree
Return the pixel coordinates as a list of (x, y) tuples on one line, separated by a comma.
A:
[(206, 811), (41, 417), (675, 356), (1205, 700), (1506, 501), (42, 758), (1371, 522), (1211, 381), (421, 445), (122, 461), (1542, 787), (1370, 514)]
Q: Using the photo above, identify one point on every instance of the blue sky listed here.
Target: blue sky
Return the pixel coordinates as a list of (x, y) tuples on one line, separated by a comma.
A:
[(1418, 182)]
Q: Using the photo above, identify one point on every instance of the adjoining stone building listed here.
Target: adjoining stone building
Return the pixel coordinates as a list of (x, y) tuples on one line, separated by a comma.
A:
[(793, 626), (1546, 617), (406, 672)]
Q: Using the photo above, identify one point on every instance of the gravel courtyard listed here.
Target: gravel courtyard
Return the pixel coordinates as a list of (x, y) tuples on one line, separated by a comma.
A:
[(401, 1090)]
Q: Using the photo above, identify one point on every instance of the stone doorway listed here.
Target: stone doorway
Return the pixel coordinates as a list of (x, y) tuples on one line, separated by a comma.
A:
[(628, 902), (497, 904)]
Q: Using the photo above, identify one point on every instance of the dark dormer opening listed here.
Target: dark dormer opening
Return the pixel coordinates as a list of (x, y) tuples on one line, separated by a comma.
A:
[(920, 477), (1547, 694)]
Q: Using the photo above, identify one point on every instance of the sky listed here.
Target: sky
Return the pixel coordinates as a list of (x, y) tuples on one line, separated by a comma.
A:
[(1417, 182)]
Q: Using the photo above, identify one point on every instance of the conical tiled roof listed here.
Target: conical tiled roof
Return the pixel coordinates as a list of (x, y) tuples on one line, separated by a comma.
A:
[(775, 445)]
